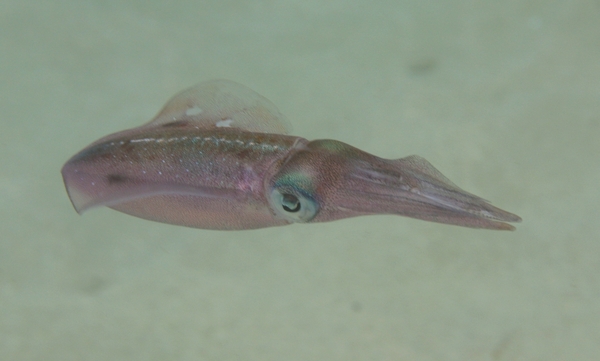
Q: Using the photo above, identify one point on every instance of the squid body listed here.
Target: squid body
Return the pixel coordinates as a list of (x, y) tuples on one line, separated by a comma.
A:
[(218, 156)]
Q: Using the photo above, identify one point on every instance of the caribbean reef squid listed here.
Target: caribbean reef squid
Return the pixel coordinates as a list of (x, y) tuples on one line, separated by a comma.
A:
[(219, 156)]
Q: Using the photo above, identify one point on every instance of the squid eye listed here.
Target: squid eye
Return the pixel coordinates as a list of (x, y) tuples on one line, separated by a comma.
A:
[(292, 205)]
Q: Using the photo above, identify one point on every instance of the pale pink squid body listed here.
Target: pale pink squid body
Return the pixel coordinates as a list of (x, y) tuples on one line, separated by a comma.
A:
[(218, 156)]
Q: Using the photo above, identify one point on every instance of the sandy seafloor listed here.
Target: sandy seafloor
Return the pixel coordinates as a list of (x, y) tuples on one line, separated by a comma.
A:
[(502, 97)]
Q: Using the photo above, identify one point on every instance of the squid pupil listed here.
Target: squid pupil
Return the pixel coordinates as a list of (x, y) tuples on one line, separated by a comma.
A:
[(290, 203)]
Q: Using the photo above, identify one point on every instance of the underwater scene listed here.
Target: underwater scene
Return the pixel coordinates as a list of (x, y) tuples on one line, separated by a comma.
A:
[(299, 180)]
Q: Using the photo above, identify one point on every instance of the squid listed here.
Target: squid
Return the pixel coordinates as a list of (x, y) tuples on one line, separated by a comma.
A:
[(219, 156)]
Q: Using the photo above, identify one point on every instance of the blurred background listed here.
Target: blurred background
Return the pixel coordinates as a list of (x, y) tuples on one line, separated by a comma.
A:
[(502, 97)]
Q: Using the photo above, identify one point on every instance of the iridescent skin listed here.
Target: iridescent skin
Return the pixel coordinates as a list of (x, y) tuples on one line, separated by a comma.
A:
[(218, 157)]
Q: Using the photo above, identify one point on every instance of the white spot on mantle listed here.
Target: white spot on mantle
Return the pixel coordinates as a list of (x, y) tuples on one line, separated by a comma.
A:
[(224, 123), (193, 111)]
